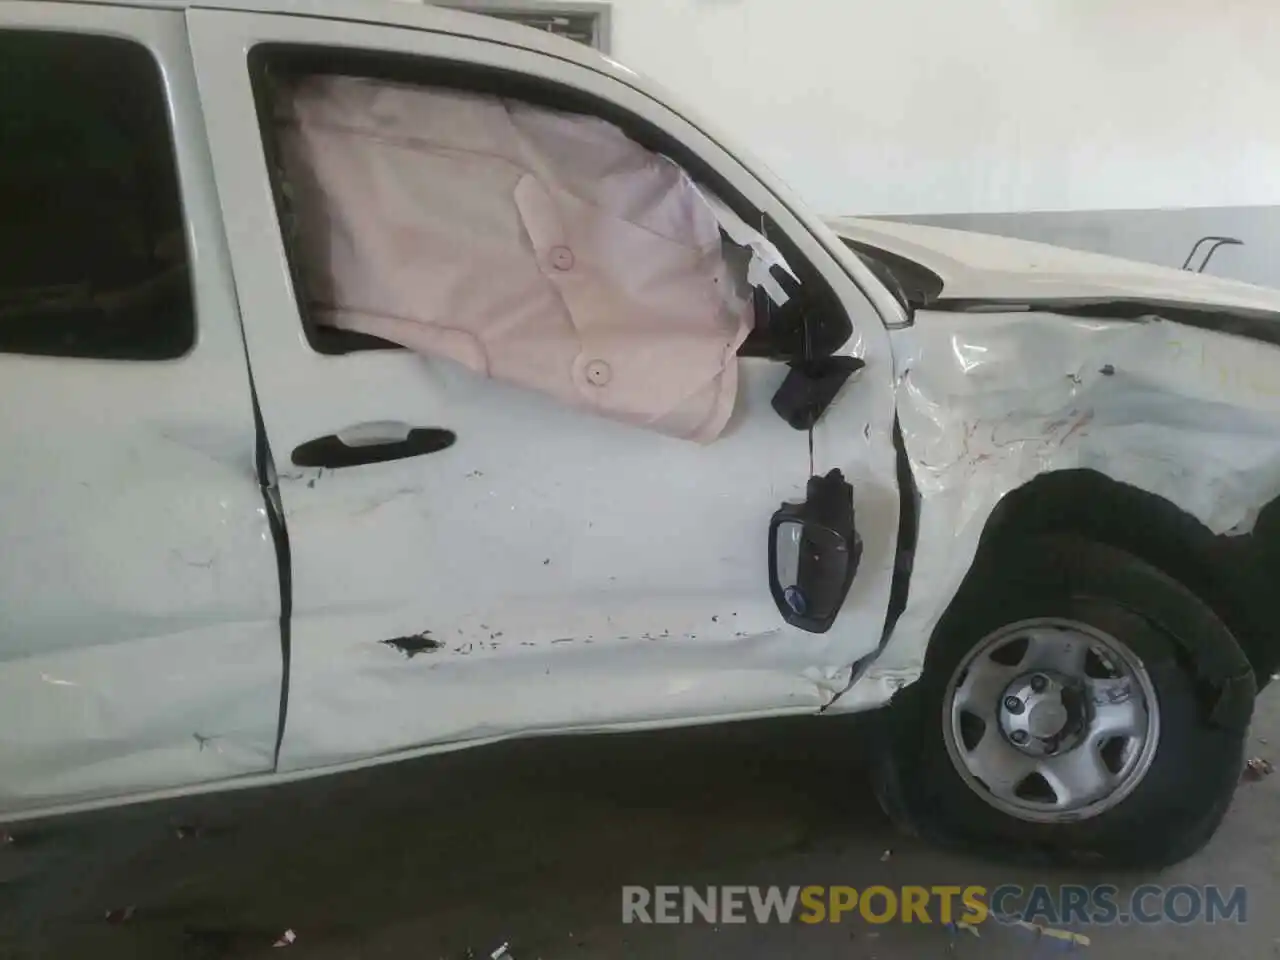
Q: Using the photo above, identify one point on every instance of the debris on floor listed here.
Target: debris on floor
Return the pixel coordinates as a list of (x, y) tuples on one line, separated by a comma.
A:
[(286, 939), (954, 929), (886, 855), (1257, 769), (121, 914), (502, 953), (233, 941), (6, 838), (1068, 937)]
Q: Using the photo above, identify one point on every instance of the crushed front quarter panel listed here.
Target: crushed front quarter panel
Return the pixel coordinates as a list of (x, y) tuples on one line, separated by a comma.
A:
[(989, 401)]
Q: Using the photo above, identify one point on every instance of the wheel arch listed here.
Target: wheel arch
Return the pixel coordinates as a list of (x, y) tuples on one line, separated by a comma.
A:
[(1236, 576)]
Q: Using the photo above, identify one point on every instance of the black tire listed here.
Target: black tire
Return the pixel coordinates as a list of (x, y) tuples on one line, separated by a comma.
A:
[(1203, 684)]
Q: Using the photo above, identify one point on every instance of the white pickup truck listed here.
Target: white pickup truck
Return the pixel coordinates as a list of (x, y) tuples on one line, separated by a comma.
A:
[(1022, 498)]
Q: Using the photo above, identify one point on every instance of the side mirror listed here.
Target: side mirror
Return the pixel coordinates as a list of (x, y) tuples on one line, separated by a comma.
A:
[(810, 387), (814, 551)]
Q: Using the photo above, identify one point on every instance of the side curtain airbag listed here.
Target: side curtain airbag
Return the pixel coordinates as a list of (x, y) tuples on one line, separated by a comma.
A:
[(545, 249)]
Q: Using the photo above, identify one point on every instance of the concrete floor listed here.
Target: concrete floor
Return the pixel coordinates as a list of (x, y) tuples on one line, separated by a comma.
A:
[(530, 842)]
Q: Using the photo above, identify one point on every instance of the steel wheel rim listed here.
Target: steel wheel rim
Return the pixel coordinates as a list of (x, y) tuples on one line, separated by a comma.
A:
[(1064, 674)]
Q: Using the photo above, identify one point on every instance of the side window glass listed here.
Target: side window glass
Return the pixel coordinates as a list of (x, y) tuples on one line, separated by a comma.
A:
[(93, 257), (363, 134)]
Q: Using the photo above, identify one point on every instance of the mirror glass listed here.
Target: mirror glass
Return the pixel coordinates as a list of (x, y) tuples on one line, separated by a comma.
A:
[(789, 536), (812, 565)]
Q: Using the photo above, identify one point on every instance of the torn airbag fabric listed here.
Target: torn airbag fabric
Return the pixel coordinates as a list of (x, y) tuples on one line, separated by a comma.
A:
[(540, 248)]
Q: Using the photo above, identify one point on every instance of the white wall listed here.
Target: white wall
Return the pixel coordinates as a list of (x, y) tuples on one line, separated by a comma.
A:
[(906, 106)]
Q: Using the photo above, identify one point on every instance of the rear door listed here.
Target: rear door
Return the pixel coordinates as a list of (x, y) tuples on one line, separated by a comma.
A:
[(550, 569), (139, 602)]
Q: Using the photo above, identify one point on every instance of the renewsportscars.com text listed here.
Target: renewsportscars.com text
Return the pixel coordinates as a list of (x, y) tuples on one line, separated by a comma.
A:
[(1100, 905)]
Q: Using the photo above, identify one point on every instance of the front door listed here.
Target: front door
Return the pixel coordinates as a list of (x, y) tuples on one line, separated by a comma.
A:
[(550, 569)]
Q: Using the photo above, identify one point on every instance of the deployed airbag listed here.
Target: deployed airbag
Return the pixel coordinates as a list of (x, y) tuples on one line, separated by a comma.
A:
[(541, 248)]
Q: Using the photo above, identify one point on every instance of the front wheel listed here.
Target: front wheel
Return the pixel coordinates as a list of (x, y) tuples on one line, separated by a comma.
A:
[(1076, 704)]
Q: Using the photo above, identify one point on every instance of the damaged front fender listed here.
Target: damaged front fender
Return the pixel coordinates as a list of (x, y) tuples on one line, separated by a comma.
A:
[(990, 401)]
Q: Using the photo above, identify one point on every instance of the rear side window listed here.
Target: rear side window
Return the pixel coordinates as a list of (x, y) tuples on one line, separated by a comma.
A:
[(93, 256)]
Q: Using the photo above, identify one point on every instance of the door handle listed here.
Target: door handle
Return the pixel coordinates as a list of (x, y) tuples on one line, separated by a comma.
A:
[(371, 443)]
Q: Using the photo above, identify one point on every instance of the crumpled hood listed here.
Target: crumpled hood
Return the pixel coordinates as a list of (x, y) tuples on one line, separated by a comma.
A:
[(983, 267)]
